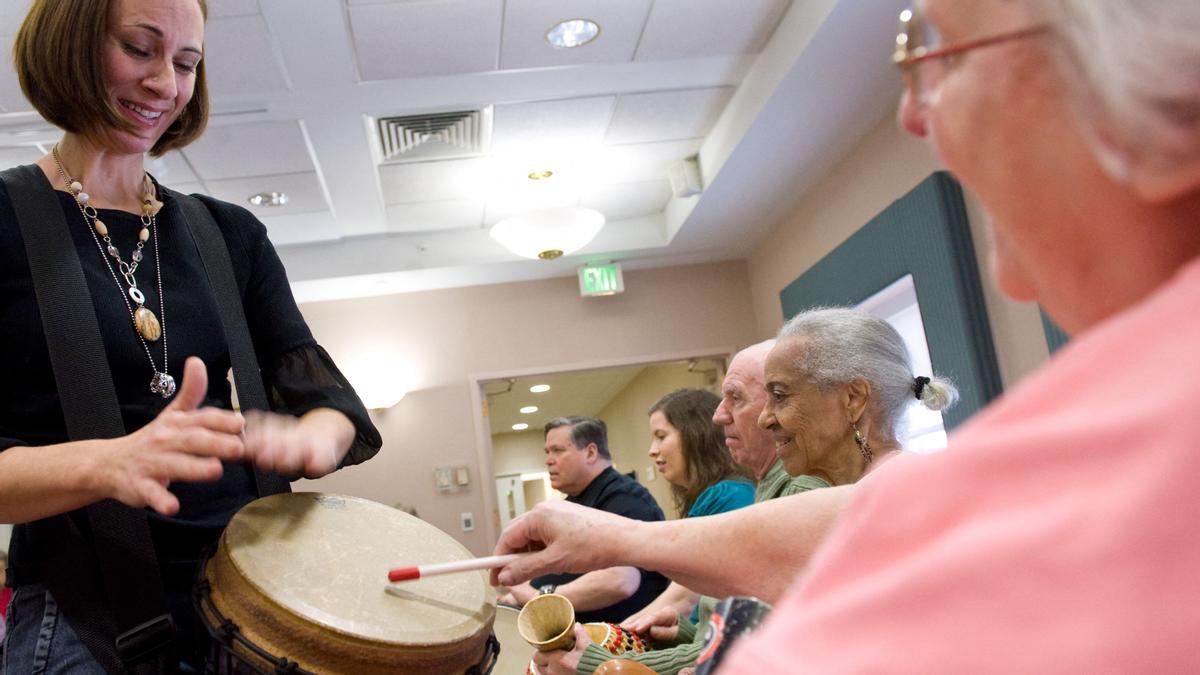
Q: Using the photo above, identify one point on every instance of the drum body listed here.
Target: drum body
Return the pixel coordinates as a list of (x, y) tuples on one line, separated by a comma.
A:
[(302, 577)]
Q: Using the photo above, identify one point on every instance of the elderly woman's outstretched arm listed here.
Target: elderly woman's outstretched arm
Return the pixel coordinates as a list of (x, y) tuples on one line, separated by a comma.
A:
[(758, 550)]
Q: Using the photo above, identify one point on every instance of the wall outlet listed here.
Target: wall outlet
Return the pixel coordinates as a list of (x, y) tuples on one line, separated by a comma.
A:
[(651, 474), (468, 521)]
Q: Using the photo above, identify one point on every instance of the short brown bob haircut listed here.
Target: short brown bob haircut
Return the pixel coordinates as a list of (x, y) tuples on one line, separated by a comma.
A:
[(59, 58)]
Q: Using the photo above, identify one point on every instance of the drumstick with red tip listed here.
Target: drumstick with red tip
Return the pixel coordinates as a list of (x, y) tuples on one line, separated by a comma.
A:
[(418, 571)]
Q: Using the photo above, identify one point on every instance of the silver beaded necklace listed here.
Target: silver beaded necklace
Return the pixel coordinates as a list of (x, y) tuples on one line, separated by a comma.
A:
[(147, 326)]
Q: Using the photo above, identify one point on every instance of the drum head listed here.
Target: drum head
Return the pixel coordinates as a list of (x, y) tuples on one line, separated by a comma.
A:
[(515, 652), (320, 562)]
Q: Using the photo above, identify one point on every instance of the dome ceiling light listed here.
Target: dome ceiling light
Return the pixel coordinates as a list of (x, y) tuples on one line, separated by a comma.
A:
[(549, 233)]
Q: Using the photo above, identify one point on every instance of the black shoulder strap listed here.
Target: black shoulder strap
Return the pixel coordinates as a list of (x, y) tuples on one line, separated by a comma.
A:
[(247, 376), (102, 610)]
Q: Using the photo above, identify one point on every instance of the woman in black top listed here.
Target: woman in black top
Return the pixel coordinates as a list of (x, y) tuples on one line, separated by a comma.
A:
[(123, 78)]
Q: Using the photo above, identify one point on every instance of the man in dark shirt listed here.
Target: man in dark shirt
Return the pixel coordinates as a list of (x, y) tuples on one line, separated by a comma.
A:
[(579, 464)]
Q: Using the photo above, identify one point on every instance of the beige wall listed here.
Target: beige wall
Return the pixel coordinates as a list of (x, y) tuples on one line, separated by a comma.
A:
[(886, 165), (629, 426), (449, 336), (518, 452)]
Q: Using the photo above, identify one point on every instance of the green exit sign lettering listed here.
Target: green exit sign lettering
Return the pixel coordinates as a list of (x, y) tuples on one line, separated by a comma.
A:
[(601, 280)]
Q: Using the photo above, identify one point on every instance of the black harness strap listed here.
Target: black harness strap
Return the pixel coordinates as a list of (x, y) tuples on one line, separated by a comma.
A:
[(247, 376), (111, 590)]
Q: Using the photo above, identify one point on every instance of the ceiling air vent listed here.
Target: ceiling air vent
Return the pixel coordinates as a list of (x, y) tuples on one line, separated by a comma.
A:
[(420, 138)]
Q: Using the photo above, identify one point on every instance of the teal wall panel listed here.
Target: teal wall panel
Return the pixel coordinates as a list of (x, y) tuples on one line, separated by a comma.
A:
[(924, 233)]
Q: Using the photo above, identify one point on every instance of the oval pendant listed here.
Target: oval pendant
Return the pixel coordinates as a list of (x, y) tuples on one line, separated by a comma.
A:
[(147, 324)]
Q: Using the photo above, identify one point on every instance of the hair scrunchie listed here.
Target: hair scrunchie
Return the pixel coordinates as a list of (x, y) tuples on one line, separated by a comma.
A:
[(919, 385)]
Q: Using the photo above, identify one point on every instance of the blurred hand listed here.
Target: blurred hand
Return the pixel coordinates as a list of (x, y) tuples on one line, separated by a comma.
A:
[(518, 595), (184, 443), (561, 661), (660, 626), (564, 537), (291, 446)]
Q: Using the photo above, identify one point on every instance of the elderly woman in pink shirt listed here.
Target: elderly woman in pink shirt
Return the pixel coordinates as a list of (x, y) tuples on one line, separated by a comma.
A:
[(1057, 533)]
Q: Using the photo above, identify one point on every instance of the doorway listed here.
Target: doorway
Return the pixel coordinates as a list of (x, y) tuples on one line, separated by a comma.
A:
[(511, 441)]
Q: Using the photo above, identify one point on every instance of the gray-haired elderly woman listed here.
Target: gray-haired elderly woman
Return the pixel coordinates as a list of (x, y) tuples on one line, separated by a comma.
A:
[(839, 382)]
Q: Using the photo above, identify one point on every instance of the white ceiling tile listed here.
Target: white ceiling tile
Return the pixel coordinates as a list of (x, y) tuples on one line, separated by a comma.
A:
[(628, 200), (526, 23), (430, 216), (12, 99), (303, 190), (171, 169), (432, 181), (12, 13), (666, 115), (640, 161), (505, 206), (680, 29), (261, 148), (189, 188), (227, 8), (10, 157), (550, 128), (420, 39), (301, 228), (240, 55)]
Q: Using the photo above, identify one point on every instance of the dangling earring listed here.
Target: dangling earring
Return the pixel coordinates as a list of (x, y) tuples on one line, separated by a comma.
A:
[(863, 445)]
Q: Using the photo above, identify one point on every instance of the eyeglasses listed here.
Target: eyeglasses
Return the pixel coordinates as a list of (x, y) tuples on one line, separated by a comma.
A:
[(923, 58)]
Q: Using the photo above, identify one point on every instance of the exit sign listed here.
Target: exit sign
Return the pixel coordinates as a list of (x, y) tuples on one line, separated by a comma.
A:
[(601, 280)]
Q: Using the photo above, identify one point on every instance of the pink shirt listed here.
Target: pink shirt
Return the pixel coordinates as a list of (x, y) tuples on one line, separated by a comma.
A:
[(1060, 532)]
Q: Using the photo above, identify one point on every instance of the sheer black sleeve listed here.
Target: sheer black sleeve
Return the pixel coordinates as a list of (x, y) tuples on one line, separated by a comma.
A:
[(305, 379), (298, 374)]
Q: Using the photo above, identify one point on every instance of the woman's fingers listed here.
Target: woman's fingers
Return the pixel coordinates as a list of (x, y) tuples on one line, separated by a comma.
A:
[(281, 444), (193, 386)]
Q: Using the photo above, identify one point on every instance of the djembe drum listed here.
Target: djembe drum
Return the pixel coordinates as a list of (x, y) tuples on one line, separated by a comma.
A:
[(514, 651), (299, 581)]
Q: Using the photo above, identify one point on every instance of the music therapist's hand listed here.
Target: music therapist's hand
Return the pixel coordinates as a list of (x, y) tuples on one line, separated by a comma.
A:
[(564, 537), (309, 446), (561, 661), (184, 443)]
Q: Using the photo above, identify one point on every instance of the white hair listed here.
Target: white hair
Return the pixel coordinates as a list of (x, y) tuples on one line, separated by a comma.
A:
[(1136, 64), (844, 344)]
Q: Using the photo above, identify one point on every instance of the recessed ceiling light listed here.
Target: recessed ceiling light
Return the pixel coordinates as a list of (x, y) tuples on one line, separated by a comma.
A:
[(539, 388), (540, 175), (269, 199), (572, 33), (520, 426), (529, 409)]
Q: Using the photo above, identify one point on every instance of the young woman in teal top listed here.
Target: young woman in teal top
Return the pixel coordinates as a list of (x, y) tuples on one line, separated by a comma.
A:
[(689, 451)]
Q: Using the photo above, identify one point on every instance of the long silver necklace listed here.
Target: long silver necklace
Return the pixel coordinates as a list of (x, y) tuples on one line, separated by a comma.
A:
[(147, 326)]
